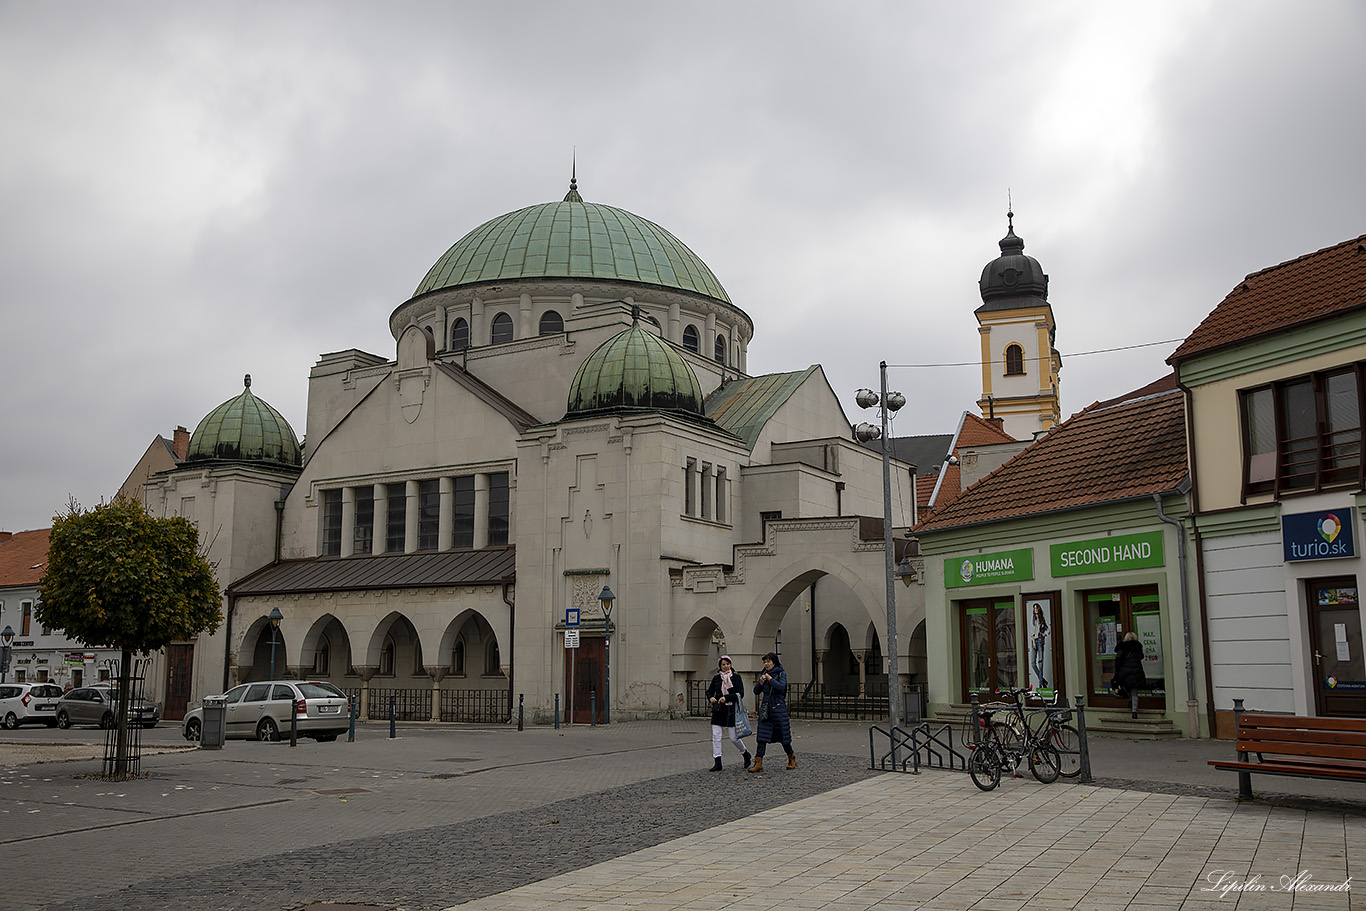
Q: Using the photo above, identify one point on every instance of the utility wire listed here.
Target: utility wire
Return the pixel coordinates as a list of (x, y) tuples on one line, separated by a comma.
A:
[(1073, 354)]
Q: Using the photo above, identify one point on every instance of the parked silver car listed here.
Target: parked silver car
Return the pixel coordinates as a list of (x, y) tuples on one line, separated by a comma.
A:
[(98, 704), (262, 711), (29, 703)]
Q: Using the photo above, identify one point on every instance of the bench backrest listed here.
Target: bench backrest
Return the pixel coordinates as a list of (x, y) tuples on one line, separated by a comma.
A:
[(1296, 735)]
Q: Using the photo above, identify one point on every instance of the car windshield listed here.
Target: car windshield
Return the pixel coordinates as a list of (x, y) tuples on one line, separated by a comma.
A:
[(320, 691)]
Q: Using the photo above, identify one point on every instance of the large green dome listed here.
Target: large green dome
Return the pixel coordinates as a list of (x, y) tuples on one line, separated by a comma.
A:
[(572, 239), (245, 429), (635, 370)]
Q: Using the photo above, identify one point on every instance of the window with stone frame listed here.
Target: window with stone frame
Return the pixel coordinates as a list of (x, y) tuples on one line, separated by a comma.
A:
[(332, 522), (363, 535), (500, 508), (551, 323), (1015, 360), (502, 329), (460, 335), (690, 339)]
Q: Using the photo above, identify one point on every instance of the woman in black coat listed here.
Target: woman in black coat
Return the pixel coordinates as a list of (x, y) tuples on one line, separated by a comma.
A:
[(773, 721), (1129, 677), (727, 696)]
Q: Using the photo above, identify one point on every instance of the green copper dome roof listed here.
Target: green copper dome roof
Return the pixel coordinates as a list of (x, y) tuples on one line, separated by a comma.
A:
[(635, 370), (572, 239), (245, 429)]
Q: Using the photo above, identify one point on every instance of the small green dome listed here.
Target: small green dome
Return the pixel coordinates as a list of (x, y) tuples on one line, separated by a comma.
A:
[(635, 370), (572, 239), (245, 429)]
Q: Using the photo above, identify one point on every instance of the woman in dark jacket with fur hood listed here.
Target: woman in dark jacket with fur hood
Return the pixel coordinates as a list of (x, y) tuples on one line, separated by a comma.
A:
[(727, 696), (773, 721)]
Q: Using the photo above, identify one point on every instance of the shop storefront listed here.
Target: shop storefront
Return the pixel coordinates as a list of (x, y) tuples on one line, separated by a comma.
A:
[(1054, 623)]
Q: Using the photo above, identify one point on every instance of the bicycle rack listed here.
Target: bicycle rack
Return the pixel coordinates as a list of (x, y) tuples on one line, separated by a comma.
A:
[(905, 748)]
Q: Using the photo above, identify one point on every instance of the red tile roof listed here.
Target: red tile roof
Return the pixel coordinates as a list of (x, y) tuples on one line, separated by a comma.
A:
[(978, 431), (1315, 286), (23, 557), (1131, 446)]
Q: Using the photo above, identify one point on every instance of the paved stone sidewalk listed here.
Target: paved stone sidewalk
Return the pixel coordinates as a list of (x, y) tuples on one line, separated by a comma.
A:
[(934, 841)]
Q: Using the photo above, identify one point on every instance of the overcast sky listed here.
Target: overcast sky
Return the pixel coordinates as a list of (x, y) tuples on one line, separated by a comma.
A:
[(191, 192)]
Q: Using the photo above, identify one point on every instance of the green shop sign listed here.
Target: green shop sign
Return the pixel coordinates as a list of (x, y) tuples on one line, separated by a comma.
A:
[(986, 569), (1107, 555)]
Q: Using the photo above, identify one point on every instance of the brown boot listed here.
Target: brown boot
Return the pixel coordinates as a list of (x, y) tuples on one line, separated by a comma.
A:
[(791, 760), (758, 765)]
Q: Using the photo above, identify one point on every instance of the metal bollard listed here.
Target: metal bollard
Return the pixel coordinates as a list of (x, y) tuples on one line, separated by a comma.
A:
[(1081, 741), (393, 727), (557, 711), (350, 722), (593, 708), (1244, 779), (521, 710), (293, 724)]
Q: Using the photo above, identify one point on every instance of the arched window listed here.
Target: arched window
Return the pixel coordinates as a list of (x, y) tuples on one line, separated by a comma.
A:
[(321, 656), (386, 658), (551, 323), (492, 668), (458, 658), (1014, 360), (690, 339), (502, 329), (720, 348), (460, 335)]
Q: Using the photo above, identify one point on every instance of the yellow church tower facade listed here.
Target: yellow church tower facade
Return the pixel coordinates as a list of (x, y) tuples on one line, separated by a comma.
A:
[(1020, 364)]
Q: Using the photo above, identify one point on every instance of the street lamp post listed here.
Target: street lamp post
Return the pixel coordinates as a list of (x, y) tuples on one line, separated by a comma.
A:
[(887, 403), (275, 618), (606, 597), (6, 638)]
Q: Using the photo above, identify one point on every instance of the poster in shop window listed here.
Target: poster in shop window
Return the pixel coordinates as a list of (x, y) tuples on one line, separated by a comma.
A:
[(1040, 647)]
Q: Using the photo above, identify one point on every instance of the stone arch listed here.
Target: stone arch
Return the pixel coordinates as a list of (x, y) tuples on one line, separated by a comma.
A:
[(475, 632), (395, 649), (329, 638), (760, 621)]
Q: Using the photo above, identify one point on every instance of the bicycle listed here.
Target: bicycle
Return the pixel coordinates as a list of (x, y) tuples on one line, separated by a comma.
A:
[(1054, 730), (994, 753)]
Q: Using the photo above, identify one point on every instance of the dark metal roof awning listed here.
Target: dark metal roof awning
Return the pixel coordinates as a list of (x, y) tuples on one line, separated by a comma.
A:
[(426, 570)]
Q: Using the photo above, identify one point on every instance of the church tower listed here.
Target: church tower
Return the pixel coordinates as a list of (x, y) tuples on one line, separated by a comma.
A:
[(1019, 363)]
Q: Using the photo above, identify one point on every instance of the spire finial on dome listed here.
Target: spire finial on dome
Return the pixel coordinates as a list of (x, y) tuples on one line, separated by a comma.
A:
[(246, 381), (573, 194)]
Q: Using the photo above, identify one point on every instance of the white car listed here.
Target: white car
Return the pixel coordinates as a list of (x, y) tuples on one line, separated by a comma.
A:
[(29, 703), (262, 711)]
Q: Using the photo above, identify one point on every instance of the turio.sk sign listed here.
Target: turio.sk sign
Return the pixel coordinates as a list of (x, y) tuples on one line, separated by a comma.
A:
[(985, 569), (1107, 555), (1318, 535)]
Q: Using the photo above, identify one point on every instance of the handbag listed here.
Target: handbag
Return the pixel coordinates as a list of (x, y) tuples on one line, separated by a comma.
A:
[(742, 725), (763, 708)]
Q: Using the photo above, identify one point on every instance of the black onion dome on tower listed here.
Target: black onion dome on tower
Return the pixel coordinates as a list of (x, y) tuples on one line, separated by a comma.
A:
[(245, 429), (635, 370), (1012, 280)]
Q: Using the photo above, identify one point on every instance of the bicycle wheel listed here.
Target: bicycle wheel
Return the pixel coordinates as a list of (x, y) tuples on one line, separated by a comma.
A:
[(985, 767), (1044, 761), (1065, 739)]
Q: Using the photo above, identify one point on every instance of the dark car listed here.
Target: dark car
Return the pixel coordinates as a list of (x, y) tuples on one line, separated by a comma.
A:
[(99, 705)]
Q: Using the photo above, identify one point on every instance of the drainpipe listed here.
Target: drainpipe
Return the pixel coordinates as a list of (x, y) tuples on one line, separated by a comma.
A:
[(1193, 483), (512, 639), (1192, 706)]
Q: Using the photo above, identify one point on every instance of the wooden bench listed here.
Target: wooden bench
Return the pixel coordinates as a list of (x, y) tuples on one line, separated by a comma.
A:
[(1298, 746)]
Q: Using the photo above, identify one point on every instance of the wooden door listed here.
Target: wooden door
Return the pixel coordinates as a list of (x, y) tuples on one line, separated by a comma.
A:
[(584, 681), (1335, 639), (179, 664)]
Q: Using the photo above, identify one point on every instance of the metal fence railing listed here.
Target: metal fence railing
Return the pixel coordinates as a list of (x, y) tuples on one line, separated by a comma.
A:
[(415, 704), (816, 702)]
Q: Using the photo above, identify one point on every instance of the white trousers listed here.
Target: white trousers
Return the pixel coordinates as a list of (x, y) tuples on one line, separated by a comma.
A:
[(716, 731)]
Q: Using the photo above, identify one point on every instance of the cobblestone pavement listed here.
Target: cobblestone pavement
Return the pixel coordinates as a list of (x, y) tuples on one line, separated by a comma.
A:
[(443, 816)]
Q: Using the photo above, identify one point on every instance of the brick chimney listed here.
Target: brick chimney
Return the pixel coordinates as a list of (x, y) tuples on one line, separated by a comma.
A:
[(180, 443), (6, 535), (998, 423)]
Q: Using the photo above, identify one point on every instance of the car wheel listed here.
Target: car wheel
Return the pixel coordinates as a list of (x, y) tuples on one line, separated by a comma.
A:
[(11, 721), (107, 720), (63, 720), (192, 729), (267, 729)]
